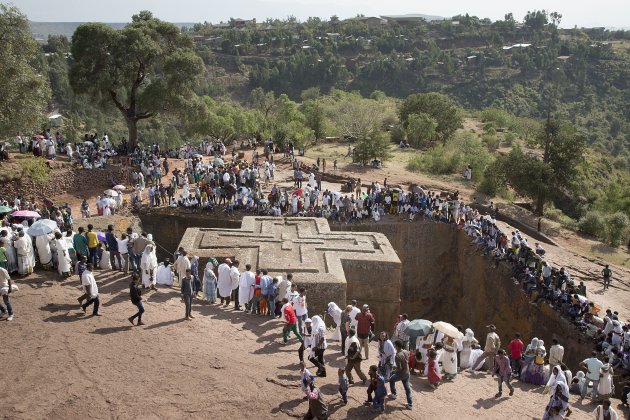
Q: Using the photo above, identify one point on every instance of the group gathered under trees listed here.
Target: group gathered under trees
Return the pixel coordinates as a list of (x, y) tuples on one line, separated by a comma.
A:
[(552, 132)]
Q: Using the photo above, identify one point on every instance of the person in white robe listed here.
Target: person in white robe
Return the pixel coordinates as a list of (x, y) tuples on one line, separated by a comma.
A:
[(468, 342), (7, 243), (149, 266), (235, 277), (164, 274), (606, 387), (335, 313), (104, 263), (181, 265), (224, 283), (30, 251), (44, 253), (63, 256), (475, 353), (294, 204), (24, 250), (449, 358), (246, 285), (69, 151), (311, 180)]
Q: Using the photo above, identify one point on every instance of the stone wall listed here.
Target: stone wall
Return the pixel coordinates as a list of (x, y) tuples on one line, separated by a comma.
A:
[(445, 278)]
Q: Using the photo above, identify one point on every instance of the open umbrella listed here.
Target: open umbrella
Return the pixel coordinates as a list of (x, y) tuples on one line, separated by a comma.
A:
[(26, 213), (263, 202), (119, 187), (88, 143), (112, 193), (42, 227), (298, 192), (38, 136), (101, 236), (5, 209), (448, 329), (218, 162), (198, 156), (419, 327)]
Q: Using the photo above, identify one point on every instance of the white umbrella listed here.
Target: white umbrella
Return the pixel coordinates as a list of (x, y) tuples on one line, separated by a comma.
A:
[(88, 143), (112, 193), (42, 227), (448, 329)]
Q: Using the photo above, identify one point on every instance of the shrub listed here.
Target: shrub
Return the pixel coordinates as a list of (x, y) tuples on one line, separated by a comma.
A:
[(497, 117), (616, 227), (592, 223), (34, 169), (453, 157), (491, 141)]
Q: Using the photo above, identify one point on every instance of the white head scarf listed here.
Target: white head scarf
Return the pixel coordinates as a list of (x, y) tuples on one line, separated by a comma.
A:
[(318, 324)]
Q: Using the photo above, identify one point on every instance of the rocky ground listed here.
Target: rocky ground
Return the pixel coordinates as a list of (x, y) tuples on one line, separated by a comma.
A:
[(61, 364)]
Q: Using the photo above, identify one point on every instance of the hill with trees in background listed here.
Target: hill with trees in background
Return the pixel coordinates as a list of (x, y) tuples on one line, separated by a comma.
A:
[(551, 102)]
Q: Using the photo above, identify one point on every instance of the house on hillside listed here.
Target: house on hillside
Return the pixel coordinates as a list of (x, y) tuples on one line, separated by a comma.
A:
[(242, 23)]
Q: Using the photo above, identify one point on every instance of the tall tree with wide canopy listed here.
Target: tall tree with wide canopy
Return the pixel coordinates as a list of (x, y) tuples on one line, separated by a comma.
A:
[(143, 69), (24, 92)]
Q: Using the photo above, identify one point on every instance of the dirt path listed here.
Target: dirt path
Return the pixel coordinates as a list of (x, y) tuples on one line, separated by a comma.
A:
[(60, 364)]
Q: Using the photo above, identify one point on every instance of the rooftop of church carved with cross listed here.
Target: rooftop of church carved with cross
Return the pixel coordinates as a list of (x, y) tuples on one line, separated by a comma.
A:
[(292, 245)]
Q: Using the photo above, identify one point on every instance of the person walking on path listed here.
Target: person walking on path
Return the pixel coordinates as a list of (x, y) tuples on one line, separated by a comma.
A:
[(289, 315), (516, 347), (503, 370), (135, 293), (5, 291), (353, 355), (607, 273), (592, 365), (91, 289), (187, 293), (365, 323), (401, 373), (493, 343)]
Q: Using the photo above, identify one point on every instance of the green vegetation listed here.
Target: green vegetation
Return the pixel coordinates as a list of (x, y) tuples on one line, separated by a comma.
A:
[(552, 102), (143, 69), (453, 157), (34, 169), (23, 92)]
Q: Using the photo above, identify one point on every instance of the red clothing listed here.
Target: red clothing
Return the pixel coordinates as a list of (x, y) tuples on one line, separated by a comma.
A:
[(289, 315), (365, 321), (432, 374), (516, 348)]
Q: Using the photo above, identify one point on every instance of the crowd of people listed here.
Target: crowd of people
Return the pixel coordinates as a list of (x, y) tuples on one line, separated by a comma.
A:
[(238, 185)]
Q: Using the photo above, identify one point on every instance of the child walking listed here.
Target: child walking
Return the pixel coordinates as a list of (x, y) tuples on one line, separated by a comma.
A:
[(343, 385), (378, 403)]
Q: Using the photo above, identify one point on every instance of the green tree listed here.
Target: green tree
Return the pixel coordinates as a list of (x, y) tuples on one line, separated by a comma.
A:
[(24, 93), (439, 107), (144, 69), (540, 178), (315, 117), (421, 129), (374, 145)]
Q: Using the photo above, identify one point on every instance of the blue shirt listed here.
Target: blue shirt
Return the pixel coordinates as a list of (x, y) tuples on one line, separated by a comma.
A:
[(112, 243)]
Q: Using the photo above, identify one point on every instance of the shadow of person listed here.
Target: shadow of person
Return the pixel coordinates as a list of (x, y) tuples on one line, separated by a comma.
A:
[(164, 324), (111, 330), (488, 402)]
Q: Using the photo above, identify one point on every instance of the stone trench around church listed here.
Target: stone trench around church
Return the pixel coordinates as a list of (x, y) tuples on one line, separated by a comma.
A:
[(442, 277)]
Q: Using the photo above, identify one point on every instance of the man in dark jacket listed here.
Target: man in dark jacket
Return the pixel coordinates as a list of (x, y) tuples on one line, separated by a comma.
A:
[(136, 298), (112, 247)]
